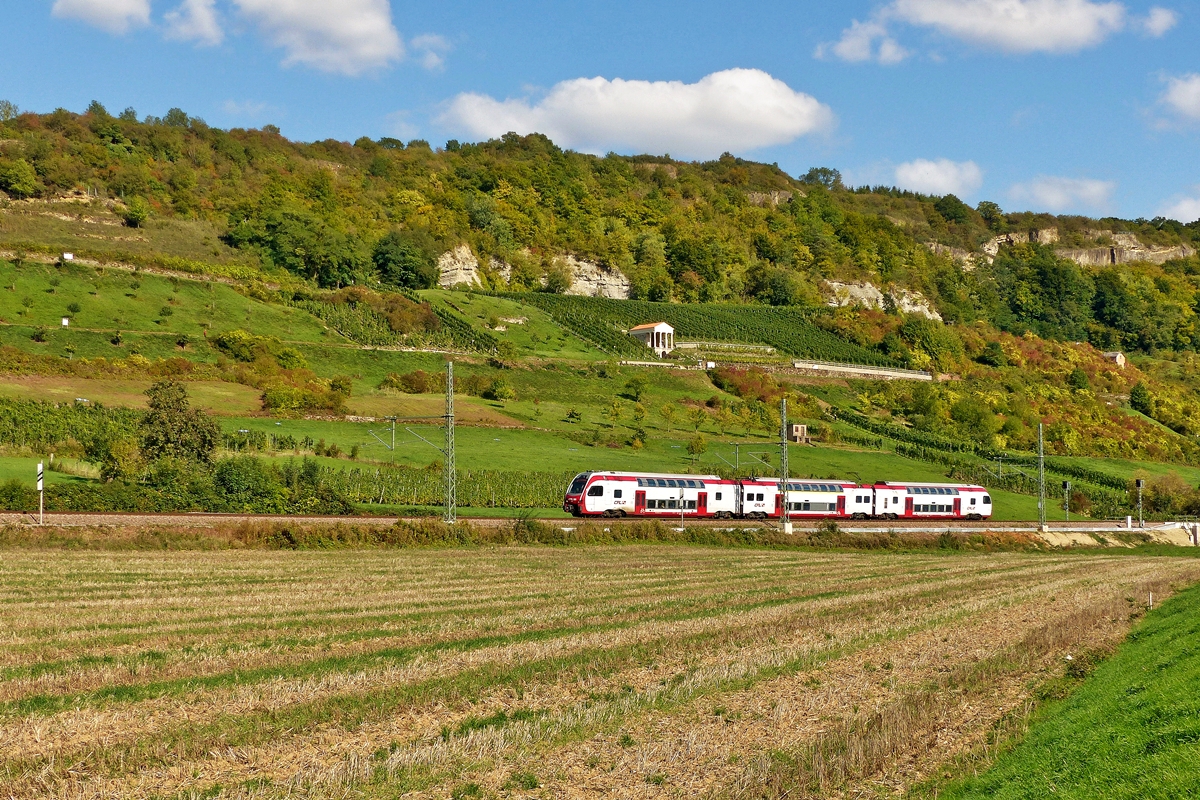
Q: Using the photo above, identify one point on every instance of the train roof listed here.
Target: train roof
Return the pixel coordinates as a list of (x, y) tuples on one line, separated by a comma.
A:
[(666, 475), (946, 484)]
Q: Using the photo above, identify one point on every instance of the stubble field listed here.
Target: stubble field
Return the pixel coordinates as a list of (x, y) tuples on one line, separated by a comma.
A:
[(634, 671)]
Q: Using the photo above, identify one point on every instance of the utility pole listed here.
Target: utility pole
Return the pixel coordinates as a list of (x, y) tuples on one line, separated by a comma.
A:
[(1141, 484), (451, 478), (1067, 499), (1041, 479), (783, 466)]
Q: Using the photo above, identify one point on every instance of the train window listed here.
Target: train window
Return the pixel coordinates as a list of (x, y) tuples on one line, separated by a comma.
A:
[(760, 496), (972, 501), (617, 493), (987, 501), (578, 484), (718, 495), (596, 491)]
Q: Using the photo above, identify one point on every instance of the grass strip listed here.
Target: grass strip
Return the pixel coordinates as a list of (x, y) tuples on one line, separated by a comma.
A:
[(1131, 730)]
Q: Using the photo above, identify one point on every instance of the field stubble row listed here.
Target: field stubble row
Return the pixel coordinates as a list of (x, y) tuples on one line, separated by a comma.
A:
[(633, 671)]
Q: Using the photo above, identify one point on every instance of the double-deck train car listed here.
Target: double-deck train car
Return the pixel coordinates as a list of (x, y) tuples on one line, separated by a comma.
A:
[(645, 494), (931, 501)]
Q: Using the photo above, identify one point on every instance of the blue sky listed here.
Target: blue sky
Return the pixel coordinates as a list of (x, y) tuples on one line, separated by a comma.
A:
[(1075, 106)]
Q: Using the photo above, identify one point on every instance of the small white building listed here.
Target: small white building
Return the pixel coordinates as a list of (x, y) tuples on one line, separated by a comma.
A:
[(1117, 358), (658, 336)]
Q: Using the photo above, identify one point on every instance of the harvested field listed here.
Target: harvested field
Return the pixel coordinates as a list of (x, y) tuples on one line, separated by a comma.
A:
[(634, 671)]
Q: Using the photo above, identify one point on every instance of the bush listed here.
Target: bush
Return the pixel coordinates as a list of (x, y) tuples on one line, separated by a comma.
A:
[(291, 358), (241, 345), (136, 212), (17, 496), (19, 179), (415, 382), (500, 390)]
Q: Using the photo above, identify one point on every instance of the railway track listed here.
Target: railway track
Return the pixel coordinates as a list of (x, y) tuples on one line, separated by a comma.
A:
[(209, 520)]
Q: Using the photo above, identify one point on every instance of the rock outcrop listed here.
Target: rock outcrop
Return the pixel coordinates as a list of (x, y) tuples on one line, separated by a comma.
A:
[(501, 268), (963, 257), (868, 295), (1043, 236), (772, 199), (589, 279), (1125, 248), (458, 266)]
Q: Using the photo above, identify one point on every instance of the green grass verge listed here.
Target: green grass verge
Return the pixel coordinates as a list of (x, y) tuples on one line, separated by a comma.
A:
[(1132, 730)]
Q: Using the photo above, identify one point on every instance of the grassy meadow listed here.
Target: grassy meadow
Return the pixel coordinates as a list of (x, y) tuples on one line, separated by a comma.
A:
[(648, 671)]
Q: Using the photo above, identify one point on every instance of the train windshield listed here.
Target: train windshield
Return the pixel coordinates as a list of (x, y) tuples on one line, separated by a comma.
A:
[(579, 482)]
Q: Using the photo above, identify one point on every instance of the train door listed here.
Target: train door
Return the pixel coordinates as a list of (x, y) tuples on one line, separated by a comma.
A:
[(780, 499), (702, 504), (639, 502), (958, 506), (908, 506), (841, 505)]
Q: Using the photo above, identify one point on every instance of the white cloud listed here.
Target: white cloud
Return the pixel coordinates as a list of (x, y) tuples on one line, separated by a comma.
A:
[(1183, 209), (1017, 26), (1183, 95), (114, 16), (195, 20), (1158, 22), (348, 37), (735, 110), (1050, 193), (858, 44), (1013, 26), (943, 176), (431, 50)]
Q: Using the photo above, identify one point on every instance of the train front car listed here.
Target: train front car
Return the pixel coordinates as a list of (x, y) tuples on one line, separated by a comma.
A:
[(573, 502), (643, 494), (932, 501)]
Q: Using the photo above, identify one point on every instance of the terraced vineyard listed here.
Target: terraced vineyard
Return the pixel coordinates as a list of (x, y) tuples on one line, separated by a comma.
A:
[(630, 671), (790, 330)]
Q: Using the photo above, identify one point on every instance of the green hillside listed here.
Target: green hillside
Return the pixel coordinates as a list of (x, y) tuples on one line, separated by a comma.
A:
[(289, 286)]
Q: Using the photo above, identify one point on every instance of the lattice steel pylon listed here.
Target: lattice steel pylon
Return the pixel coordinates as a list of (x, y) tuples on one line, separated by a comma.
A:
[(451, 474)]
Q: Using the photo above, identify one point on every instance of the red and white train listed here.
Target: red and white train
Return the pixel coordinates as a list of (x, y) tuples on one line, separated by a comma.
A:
[(644, 494)]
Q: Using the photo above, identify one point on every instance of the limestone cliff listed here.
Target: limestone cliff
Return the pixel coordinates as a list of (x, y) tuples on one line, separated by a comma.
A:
[(868, 295), (458, 266), (589, 279), (1111, 248)]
